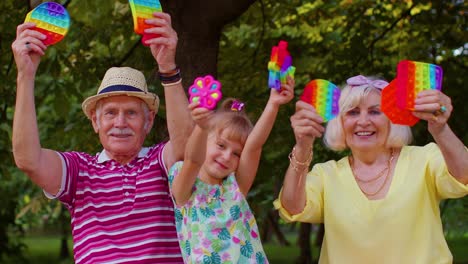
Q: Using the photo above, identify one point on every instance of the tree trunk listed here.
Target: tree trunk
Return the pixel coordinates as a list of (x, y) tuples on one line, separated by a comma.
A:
[(320, 234), (272, 227), (305, 256), (64, 230), (199, 24)]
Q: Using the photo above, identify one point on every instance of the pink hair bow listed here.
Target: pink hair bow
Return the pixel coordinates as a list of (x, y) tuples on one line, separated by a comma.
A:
[(362, 80), (237, 106)]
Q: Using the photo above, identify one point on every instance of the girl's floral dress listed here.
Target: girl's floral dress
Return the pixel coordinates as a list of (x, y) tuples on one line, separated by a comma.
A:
[(216, 224)]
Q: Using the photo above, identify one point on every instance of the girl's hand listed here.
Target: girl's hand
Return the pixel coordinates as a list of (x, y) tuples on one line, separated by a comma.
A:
[(285, 95), (28, 48), (434, 107), (306, 124), (163, 48), (200, 115)]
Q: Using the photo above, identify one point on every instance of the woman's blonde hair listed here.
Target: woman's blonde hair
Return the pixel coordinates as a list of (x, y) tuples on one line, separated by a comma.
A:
[(233, 120), (351, 96)]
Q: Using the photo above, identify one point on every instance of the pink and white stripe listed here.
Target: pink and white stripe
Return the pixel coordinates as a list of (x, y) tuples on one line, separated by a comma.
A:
[(120, 213)]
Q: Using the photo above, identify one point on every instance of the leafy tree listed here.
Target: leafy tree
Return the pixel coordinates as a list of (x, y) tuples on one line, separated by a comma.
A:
[(328, 39)]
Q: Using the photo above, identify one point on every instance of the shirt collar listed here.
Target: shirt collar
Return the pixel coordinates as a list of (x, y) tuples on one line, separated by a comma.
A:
[(103, 157)]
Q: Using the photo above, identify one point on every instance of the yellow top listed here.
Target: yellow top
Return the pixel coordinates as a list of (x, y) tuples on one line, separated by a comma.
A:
[(404, 227)]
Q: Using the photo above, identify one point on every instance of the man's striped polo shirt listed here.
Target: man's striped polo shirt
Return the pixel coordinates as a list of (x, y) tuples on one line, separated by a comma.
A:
[(119, 213)]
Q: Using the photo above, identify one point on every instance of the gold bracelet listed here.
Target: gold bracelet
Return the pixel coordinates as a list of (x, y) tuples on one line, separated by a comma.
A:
[(296, 164), (171, 84)]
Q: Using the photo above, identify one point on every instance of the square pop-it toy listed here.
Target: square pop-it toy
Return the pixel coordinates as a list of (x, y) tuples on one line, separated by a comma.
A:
[(414, 77), (51, 19), (142, 10)]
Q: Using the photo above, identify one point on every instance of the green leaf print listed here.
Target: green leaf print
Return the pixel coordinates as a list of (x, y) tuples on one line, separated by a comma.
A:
[(213, 259), (187, 247), (260, 258), (224, 234), (217, 194), (247, 226), (207, 212), (194, 215), (178, 215), (235, 212), (247, 249), (217, 245)]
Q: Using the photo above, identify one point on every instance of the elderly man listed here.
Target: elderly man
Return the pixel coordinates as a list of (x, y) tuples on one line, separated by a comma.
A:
[(119, 202)]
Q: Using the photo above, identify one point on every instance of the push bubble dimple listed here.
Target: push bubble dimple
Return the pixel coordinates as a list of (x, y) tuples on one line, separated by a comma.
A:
[(51, 19), (397, 115), (323, 96), (205, 90), (142, 10), (280, 66), (414, 77)]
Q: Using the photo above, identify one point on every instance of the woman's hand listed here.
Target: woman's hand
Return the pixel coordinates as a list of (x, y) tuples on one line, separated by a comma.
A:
[(306, 124), (434, 107)]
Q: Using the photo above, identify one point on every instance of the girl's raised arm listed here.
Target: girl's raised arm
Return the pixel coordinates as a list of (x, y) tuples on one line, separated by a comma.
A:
[(250, 157), (194, 157)]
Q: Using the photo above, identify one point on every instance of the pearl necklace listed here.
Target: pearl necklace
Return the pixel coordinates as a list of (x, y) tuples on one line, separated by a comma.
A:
[(379, 175)]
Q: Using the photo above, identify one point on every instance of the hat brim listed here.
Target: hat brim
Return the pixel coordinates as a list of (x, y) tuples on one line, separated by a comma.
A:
[(89, 104)]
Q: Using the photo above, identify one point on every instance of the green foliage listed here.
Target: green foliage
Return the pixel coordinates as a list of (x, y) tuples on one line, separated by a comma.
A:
[(332, 40)]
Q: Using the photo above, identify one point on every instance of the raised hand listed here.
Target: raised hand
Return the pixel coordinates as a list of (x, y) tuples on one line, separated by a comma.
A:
[(306, 123), (28, 48), (200, 115), (163, 47), (435, 107)]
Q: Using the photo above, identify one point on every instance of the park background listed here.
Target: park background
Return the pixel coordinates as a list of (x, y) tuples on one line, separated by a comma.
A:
[(231, 40)]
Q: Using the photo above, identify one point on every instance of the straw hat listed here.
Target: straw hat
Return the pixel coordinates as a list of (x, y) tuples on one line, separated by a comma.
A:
[(122, 81)]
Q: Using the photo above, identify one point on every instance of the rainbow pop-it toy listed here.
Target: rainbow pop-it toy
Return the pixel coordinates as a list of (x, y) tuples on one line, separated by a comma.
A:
[(397, 115), (142, 10), (414, 77), (51, 19), (280, 65), (205, 90), (323, 96)]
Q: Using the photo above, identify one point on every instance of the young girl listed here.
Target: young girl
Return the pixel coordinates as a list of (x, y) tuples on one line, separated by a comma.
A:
[(213, 220)]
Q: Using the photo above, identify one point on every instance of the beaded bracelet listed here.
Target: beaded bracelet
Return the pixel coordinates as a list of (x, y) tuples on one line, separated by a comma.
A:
[(298, 164)]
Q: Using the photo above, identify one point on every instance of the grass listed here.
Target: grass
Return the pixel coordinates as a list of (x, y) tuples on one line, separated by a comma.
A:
[(45, 250)]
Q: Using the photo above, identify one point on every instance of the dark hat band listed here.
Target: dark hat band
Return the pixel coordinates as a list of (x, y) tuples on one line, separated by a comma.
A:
[(120, 88)]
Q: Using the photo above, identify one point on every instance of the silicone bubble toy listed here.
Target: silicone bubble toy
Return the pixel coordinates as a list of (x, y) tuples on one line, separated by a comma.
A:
[(280, 65), (323, 96), (389, 106), (205, 90), (414, 77), (142, 10), (51, 19)]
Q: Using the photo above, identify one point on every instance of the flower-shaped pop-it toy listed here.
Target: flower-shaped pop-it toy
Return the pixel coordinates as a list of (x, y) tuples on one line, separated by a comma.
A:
[(205, 90)]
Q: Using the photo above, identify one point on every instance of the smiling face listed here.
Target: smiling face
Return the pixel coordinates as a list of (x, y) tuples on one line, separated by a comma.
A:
[(222, 157), (122, 123), (365, 126)]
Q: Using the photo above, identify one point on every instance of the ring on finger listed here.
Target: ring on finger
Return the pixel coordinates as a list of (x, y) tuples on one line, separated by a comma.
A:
[(27, 46), (442, 109)]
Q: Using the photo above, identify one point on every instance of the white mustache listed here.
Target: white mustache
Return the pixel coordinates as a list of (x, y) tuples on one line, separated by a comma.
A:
[(121, 132)]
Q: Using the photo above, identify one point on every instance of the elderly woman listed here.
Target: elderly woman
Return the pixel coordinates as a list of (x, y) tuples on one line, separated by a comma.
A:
[(380, 204)]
